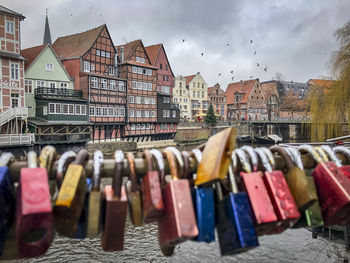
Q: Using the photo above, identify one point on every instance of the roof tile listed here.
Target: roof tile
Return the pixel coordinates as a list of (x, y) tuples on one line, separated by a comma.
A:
[(244, 87), (30, 54)]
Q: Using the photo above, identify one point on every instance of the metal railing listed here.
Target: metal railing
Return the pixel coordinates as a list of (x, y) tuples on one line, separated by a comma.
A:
[(17, 139), (18, 112), (57, 93)]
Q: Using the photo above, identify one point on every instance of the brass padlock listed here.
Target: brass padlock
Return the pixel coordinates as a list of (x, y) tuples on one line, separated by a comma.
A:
[(216, 157), (71, 197), (94, 210), (133, 193)]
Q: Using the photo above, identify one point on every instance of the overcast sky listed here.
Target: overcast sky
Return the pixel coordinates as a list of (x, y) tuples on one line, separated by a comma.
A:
[(295, 38)]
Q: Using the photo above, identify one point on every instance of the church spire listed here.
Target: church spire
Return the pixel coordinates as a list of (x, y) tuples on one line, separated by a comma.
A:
[(47, 34)]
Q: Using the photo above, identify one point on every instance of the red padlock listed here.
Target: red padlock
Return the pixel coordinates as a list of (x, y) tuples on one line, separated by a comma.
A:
[(34, 222)]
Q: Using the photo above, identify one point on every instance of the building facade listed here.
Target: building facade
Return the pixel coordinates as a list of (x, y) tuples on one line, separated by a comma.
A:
[(141, 75), (217, 98), (13, 124), (91, 59), (246, 101), (168, 114), (181, 96), (57, 112), (273, 103)]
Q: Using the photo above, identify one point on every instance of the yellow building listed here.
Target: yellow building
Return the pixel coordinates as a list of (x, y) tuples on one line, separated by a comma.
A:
[(191, 93)]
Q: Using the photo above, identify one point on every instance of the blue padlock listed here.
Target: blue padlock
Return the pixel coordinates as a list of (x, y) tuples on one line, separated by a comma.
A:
[(7, 198), (82, 224), (204, 206)]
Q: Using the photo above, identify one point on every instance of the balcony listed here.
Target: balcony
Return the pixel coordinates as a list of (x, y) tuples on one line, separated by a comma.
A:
[(16, 139), (58, 93)]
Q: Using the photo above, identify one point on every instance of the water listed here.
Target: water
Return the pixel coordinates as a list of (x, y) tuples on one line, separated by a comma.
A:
[(294, 245)]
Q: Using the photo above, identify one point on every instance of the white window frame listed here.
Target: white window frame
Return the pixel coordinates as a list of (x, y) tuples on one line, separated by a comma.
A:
[(14, 71), (52, 108), (134, 69), (53, 85), (92, 111), (103, 53), (153, 114), (86, 66), (104, 81), (98, 111), (153, 100), (146, 100), (58, 108), (148, 126), (174, 113), (131, 99), (139, 70), (104, 111), (112, 85), (111, 70), (77, 109), (110, 112), (143, 126), (94, 83), (63, 84), (122, 112), (98, 52), (134, 84), (164, 113), (132, 127), (10, 27), (138, 114), (121, 86), (146, 114), (49, 66), (132, 114), (138, 100), (28, 86), (116, 112), (149, 72), (64, 108), (108, 54)]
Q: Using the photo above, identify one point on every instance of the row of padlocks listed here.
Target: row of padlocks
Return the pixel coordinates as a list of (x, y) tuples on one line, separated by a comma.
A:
[(238, 192)]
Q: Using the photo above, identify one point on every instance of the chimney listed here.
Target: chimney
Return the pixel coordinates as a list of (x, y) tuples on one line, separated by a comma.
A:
[(121, 54)]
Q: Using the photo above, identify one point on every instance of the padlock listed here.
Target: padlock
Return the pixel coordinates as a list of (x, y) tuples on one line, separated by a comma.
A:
[(280, 195), (346, 152), (203, 202), (7, 198), (71, 197), (178, 223), (312, 216), (62, 165), (297, 182), (235, 225), (333, 189), (152, 200), (216, 157), (94, 209), (115, 209), (133, 193), (264, 216), (34, 219)]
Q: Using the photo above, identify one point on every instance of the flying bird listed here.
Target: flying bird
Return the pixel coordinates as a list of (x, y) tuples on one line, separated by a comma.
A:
[(257, 64), (227, 44), (250, 77), (251, 41), (231, 71), (183, 40), (254, 53), (202, 54), (219, 74), (100, 15), (265, 69), (233, 78), (71, 14)]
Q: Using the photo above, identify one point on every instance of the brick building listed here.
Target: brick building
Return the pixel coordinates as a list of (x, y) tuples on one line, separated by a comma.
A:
[(245, 101), (136, 66), (168, 114), (12, 107), (271, 92), (91, 59), (217, 98)]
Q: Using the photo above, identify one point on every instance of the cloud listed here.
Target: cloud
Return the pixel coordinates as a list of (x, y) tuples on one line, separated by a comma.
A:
[(289, 37)]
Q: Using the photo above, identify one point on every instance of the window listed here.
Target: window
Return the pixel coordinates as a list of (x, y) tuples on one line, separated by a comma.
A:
[(164, 113), (134, 85), (86, 66), (122, 112), (140, 60), (14, 71), (144, 71), (132, 127), (103, 53), (168, 113), (148, 126), (167, 78), (147, 114), (194, 94), (51, 108), (28, 86), (143, 126), (166, 89), (137, 126), (92, 111), (153, 100), (65, 108), (202, 94), (10, 27), (121, 86), (161, 66), (104, 111), (164, 99), (153, 113), (108, 54), (57, 108), (194, 85), (185, 100), (174, 113), (150, 86), (112, 85), (111, 70), (103, 84), (83, 110), (163, 78), (98, 111), (52, 85), (132, 113), (134, 69), (77, 109), (138, 113), (131, 99), (94, 83), (144, 85), (168, 99), (166, 67), (138, 100), (146, 100), (139, 70), (98, 52), (175, 99), (149, 72), (198, 94), (92, 67), (116, 112), (110, 112), (49, 66), (63, 85), (139, 85)]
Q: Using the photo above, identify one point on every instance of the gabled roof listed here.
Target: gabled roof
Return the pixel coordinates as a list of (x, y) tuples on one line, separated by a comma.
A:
[(153, 54), (30, 54), (244, 87), (76, 45), (269, 90), (129, 49), (11, 12), (321, 82), (216, 86), (189, 78)]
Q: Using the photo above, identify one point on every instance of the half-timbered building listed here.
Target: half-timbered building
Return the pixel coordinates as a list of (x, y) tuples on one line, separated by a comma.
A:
[(141, 75), (91, 59)]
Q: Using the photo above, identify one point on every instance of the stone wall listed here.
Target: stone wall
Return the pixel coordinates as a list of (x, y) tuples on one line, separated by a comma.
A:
[(108, 148), (196, 134)]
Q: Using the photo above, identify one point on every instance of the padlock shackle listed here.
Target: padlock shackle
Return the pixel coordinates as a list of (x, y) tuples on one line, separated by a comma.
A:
[(132, 172), (253, 157), (62, 164), (118, 174), (218, 191), (172, 164), (161, 166), (47, 157), (179, 160), (343, 150), (6, 158), (98, 162), (269, 155), (264, 160), (322, 153), (295, 156), (82, 157), (283, 153), (305, 148), (32, 159), (331, 155), (231, 178), (243, 160), (187, 168), (148, 157)]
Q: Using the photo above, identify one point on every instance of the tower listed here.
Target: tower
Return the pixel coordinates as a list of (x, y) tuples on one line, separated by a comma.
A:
[(47, 34)]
